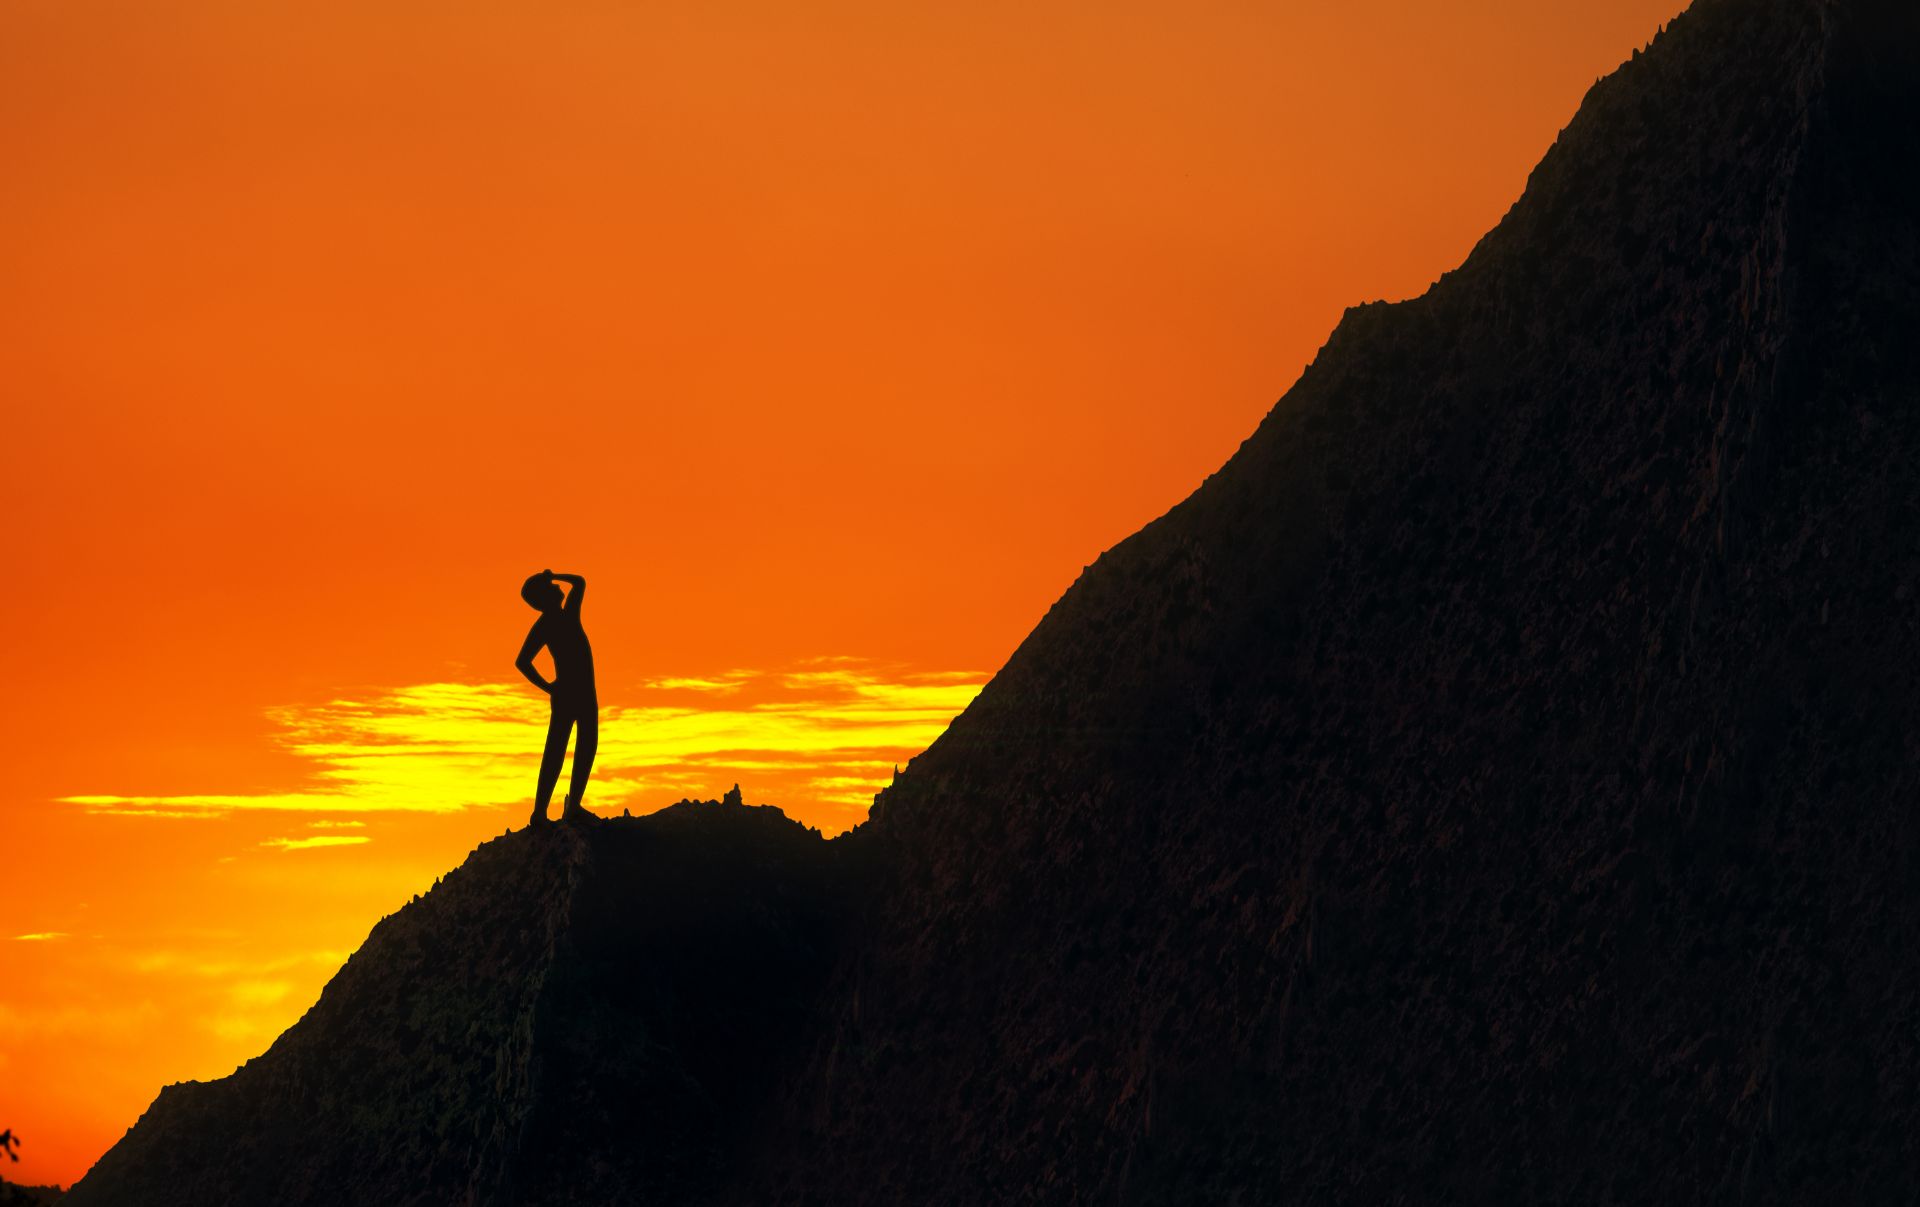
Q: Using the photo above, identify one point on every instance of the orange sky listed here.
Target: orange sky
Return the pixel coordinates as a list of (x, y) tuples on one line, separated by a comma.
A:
[(829, 340)]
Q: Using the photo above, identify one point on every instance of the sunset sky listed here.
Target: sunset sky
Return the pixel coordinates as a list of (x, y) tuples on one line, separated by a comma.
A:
[(829, 341)]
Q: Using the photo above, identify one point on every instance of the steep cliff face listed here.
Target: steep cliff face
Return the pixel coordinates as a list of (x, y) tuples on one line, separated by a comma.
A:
[(1496, 783), (575, 1015)]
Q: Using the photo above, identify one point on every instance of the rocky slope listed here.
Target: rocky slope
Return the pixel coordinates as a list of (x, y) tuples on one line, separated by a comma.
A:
[(575, 1015), (1495, 784)]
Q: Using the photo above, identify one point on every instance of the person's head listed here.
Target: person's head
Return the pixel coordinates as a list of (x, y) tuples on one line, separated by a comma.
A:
[(540, 592)]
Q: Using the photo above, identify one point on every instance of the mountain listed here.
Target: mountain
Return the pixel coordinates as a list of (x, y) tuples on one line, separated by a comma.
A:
[(1495, 784)]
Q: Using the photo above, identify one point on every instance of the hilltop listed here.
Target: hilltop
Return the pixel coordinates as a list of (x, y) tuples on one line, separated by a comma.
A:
[(574, 1015)]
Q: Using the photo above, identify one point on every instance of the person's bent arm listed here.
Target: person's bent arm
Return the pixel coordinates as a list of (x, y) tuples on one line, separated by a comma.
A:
[(524, 663), (577, 589)]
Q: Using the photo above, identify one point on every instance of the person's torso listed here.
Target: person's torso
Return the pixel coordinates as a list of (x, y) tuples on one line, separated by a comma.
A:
[(572, 656)]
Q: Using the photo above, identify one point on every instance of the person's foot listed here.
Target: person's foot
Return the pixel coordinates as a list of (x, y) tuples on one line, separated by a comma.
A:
[(573, 810), (539, 816)]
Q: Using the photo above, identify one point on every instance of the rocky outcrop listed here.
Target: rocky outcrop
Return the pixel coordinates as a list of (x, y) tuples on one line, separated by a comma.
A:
[(578, 1014)]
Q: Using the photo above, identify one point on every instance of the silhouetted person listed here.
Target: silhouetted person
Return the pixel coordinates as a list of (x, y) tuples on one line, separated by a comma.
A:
[(571, 692)]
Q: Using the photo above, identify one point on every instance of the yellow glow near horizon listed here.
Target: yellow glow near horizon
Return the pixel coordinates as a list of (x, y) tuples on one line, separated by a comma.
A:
[(819, 739), (388, 790)]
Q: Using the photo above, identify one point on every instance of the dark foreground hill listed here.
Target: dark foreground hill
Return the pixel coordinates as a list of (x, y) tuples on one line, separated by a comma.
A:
[(1496, 784), (571, 1016)]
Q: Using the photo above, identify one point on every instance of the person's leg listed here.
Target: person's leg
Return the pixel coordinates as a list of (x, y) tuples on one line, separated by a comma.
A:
[(557, 729), (585, 742)]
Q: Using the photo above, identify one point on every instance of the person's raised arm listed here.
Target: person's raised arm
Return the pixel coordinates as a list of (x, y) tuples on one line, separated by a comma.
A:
[(528, 648), (576, 592)]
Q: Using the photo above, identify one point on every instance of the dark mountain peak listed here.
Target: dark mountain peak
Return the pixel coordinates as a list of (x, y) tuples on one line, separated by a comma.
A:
[(1641, 289), (1488, 777), (1492, 785)]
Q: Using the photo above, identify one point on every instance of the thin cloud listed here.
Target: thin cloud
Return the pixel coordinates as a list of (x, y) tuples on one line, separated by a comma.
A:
[(317, 840), (818, 738), (199, 965), (723, 684), (256, 992), (43, 936)]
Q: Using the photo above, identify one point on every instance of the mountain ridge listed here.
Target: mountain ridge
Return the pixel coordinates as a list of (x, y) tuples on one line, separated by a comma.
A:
[(1591, 461)]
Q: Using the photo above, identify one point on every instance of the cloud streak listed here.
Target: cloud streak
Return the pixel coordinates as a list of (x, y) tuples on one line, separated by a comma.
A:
[(317, 840), (822, 737)]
